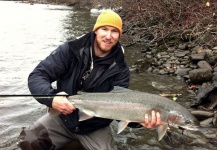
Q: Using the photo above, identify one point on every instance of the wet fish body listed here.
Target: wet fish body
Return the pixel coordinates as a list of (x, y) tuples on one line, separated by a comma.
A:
[(131, 106)]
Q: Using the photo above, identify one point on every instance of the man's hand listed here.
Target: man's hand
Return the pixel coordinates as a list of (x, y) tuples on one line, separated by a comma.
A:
[(61, 104), (155, 120)]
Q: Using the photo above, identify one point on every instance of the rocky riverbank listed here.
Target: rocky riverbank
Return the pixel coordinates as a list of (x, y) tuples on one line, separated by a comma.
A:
[(178, 43), (196, 65)]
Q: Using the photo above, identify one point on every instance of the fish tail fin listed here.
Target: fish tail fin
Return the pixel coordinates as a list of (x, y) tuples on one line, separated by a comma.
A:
[(122, 125), (162, 129)]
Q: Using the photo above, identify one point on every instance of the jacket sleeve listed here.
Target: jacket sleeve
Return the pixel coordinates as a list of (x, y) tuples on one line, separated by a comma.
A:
[(48, 71)]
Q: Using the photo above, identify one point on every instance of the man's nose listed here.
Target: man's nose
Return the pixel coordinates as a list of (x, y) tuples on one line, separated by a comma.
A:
[(108, 35)]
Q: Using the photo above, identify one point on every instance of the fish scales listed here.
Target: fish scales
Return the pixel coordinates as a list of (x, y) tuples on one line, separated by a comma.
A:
[(114, 110), (139, 101), (131, 106)]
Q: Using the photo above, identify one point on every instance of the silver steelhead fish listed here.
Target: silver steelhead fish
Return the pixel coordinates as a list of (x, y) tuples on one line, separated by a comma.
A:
[(131, 106)]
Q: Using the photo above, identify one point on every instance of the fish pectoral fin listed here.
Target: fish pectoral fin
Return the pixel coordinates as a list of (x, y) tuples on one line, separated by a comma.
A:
[(84, 116), (122, 125), (162, 129), (53, 112)]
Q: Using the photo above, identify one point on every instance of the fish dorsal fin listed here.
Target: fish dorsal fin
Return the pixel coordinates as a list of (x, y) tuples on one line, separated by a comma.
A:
[(162, 129), (122, 125), (118, 89), (84, 116)]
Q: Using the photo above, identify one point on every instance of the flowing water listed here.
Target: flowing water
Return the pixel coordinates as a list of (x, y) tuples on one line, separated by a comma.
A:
[(28, 33)]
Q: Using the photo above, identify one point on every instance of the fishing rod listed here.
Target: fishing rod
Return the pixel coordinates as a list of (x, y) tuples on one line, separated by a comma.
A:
[(31, 95)]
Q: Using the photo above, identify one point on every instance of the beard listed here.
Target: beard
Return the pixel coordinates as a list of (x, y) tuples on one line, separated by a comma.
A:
[(103, 47)]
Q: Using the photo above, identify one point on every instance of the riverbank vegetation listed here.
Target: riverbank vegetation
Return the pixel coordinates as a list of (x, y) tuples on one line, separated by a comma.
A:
[(157, 22)]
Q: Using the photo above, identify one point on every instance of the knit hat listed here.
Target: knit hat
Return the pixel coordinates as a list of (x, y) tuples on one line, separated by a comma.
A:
[(109, 18)]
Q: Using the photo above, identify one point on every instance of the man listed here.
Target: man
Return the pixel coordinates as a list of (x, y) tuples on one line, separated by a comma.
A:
[(93, 63)]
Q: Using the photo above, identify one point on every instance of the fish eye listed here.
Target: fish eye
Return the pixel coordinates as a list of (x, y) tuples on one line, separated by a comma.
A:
[(188, 122)]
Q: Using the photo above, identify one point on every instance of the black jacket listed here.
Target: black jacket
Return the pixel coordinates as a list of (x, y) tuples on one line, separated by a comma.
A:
[(67, 65)]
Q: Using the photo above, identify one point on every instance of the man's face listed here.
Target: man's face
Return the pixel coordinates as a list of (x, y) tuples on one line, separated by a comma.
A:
[(106, 38)]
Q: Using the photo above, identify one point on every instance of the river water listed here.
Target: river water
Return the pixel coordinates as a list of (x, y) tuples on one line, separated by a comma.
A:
[(28, 33)]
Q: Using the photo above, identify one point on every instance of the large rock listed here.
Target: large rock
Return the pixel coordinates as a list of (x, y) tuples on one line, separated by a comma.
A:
[(212, 60), (204, 65), (206, 95), (182, 71), (198, 76)]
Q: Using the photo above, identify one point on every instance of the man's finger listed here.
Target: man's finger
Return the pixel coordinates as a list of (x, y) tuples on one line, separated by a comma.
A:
[(146, 119), (158, 118), (70, 107), (153, 118)]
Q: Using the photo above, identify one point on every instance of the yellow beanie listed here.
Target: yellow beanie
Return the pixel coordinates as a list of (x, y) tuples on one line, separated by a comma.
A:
[(109, 18)]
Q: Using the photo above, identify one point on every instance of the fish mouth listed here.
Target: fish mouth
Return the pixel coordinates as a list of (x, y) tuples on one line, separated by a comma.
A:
[(189, 127)]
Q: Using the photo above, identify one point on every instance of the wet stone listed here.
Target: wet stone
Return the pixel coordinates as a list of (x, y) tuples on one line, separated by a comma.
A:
[(163, 53), (197, 49), (209, 52), (165, 56), (181, 54), (214, 48), (215, 69), (183, 46), (214, 78), (184, 62), (182, 71), (155, 70), (159, 63), (198, 76), (186, 57), (204, 65), (158, 55), (148, 56), (198, 57), (162, 72), (150, 69), (167, 65), (173, 58)]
